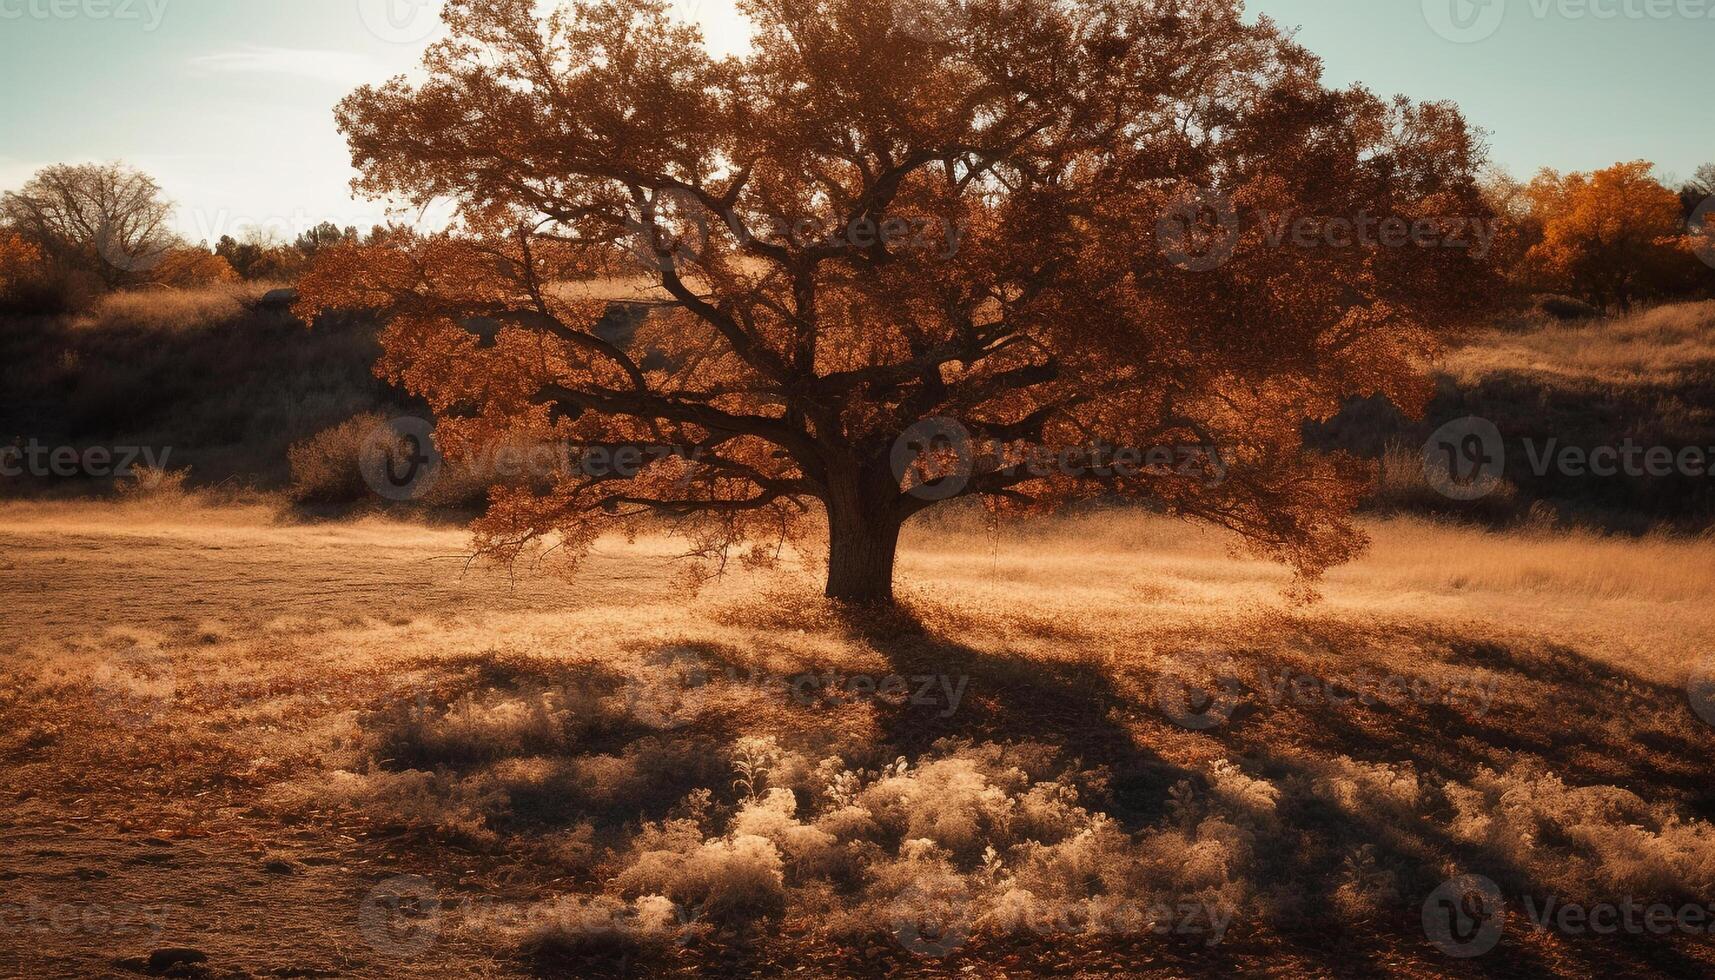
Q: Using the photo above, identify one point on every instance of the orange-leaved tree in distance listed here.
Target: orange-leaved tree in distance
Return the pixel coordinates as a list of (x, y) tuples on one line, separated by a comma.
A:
[(1608, 235), (1055, 227)]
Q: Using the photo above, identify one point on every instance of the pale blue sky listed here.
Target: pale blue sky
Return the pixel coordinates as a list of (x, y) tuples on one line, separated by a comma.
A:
[(228, 102)]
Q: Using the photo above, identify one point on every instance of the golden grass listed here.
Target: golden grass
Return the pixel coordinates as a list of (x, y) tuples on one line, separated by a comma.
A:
[(353, 700), (173, 309), (1656, 346), (1613, 593)]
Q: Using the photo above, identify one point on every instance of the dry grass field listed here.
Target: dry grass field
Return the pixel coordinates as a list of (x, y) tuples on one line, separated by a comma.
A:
[(319, 749)]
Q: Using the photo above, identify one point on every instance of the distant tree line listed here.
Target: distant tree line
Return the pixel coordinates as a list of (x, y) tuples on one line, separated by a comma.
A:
[(1611, 238), (75, 232)]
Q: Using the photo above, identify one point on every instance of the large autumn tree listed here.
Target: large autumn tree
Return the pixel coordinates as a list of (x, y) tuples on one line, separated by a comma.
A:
[(1053, 224)]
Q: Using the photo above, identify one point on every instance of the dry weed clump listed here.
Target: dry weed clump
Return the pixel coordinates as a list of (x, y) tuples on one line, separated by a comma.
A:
[(596, 927), (1590, 840), (153, 484)]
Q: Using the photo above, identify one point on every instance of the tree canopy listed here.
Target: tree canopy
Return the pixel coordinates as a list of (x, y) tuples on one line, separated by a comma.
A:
[(108, 220), (1610, 234), (1049, 226)]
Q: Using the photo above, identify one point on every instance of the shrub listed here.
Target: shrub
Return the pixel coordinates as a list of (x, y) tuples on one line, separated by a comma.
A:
[(153, 483), (173, 310), (735, 879), (327, 467), (483, 726)]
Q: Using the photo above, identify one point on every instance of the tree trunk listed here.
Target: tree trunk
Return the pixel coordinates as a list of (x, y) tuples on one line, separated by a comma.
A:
[(861, 549)]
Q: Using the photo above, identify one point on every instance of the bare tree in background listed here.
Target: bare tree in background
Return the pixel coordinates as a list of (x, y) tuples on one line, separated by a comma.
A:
[(106, 219)]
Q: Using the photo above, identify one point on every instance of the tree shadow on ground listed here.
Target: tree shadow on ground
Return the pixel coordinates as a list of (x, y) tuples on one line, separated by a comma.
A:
[(1577, 717), (1014, 698)]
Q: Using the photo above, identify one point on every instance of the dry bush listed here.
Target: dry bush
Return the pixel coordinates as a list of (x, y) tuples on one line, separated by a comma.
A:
[(484, 726), (193, 268), (1403, 486), (1588, 841), (153, 484), (28, 285), (736, 878), (327, 467)]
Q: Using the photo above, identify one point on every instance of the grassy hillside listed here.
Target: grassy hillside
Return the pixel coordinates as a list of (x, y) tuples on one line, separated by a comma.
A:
[(1648, 379), (226, 385), (217, 380)]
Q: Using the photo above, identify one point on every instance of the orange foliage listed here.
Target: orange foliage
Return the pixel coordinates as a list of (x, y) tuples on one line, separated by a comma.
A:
[(186, 268), (20, 262), (1606, 234), (867, 223)]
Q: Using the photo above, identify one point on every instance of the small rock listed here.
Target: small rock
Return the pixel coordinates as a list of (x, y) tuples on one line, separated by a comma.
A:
[(167, 957), (279, 866)]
